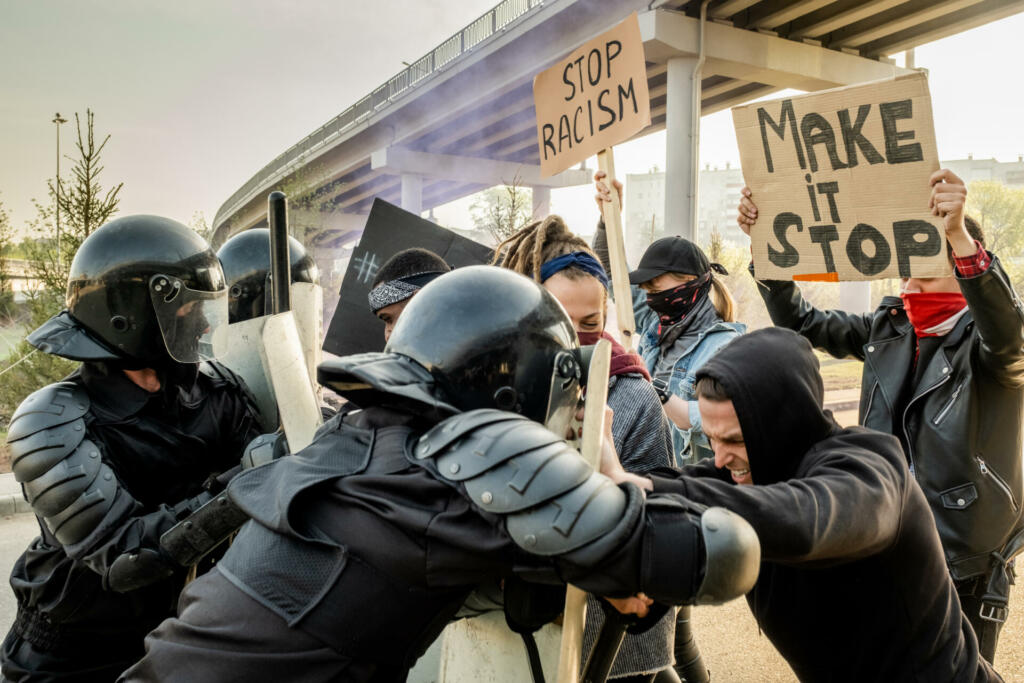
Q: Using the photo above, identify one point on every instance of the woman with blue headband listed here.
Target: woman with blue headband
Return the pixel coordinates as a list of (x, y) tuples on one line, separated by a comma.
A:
[(566, 266)]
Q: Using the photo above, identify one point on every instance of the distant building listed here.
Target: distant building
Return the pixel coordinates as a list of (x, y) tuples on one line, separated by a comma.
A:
[(1009, 173), (645, 205), (720, 194)]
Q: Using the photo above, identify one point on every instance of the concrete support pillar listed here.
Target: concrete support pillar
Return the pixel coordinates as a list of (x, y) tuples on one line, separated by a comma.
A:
[(412, 193), (855, 297), (541, 202), (680, 169)]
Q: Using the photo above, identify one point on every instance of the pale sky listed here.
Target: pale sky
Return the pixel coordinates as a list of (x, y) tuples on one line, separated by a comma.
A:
[(199, 95)]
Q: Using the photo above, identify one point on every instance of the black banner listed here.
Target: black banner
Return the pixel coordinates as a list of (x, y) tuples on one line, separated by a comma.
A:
[(389, 230)]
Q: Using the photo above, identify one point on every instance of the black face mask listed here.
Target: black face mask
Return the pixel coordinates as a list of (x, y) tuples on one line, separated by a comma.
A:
[(672, 305)]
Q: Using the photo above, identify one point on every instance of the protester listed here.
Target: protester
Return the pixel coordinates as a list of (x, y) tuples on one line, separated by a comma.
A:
[(943, 372), (853, 586), (399, 279), (363, 545), (563, 263), (122, 449), (684, 314)]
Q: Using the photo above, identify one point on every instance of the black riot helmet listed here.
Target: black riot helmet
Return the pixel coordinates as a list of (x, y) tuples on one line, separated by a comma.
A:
[(492, 338), (246, 262), (142, 289)]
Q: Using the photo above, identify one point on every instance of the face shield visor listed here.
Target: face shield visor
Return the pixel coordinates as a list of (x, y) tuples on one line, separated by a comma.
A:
[(564, 393), (193, 322)]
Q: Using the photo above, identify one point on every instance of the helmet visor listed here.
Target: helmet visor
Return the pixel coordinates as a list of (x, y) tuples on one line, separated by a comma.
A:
[(564, 394), (193, 322)]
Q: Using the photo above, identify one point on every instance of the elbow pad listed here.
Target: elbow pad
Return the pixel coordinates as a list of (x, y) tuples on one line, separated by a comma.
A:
[(697, 555), (61, 472)]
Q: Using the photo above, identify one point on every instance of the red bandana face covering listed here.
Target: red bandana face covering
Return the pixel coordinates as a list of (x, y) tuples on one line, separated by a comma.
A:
[(623, 362), (933, 314)]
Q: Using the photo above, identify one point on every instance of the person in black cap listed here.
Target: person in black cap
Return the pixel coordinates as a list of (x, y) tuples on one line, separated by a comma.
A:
[(684, 314), (134, 440), (853, 583), (398, 280)]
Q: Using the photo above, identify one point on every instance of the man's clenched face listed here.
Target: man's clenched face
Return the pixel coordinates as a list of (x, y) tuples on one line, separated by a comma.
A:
[(722, 427)]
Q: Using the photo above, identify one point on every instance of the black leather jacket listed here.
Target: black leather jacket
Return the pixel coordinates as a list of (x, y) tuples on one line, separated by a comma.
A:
[(959, 416)]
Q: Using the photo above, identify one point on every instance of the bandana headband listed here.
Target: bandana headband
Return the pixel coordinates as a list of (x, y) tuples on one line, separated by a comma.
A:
[(395, 291), (579, 259)]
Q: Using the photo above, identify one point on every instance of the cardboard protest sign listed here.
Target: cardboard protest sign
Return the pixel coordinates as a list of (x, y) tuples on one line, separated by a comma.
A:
[(389, 230), (840, 179), (592, 99)]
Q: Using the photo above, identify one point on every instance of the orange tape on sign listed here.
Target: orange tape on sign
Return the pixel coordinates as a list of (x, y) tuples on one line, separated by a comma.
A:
[(817, 277)]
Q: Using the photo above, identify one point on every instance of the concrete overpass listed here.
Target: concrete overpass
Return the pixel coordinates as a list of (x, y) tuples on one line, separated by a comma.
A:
[(461, 118)]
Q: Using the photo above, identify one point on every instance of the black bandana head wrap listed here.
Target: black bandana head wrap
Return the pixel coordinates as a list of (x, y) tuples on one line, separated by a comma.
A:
[(395, 291), (672, 305)]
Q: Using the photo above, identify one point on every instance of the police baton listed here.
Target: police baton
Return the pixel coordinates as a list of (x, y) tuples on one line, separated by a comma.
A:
[(280, 260), (606, 648)]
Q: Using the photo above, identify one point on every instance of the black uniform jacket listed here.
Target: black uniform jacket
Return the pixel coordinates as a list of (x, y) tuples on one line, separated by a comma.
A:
[(162, 447), (958, 415), (853, 586), (355, 559)]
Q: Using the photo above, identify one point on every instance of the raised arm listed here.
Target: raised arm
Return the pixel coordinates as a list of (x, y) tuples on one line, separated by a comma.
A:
[(841, 334), (995, 307), (644, 317)]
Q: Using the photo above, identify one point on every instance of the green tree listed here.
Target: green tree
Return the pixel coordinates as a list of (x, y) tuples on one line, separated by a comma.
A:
[(999, 211), (201, 226), (84, 206), (502, 211), (7, 245)]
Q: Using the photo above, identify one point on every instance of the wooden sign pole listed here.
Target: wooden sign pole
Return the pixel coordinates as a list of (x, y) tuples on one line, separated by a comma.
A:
[(575, 615), (621, 291)]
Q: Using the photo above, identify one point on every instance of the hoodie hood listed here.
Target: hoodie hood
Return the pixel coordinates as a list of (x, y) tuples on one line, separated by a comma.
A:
[(773, 379)]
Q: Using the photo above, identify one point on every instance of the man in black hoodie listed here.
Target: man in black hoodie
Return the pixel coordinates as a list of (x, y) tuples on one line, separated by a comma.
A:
[(853, 583)]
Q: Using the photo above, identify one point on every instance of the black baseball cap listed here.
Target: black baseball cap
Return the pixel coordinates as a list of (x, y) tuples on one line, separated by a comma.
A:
[(672, 255)]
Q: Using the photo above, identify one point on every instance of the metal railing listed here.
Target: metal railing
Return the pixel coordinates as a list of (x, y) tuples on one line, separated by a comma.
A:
[(470, 37)]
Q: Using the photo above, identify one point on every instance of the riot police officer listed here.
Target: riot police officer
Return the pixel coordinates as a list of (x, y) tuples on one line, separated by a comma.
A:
[(122, 449), (454, 471), (246, 262)]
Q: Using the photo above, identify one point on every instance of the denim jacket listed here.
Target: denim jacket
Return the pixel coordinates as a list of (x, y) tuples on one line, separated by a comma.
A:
[(688, 445)]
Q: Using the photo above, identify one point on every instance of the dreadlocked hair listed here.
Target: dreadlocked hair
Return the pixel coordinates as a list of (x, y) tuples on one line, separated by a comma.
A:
[(536, 244)]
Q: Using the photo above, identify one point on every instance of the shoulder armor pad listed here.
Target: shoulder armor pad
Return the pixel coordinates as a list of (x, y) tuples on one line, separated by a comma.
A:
[(510, 465), (46, 427), (733, 556), (73, 496), (469, 444), (61, 471)]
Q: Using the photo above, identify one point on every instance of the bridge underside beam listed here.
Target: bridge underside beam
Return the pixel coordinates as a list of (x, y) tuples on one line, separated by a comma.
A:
[(398, 160), (756, 57)]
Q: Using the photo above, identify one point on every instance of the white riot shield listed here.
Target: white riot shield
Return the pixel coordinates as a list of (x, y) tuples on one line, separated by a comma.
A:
[(307, 306), (277, 355)]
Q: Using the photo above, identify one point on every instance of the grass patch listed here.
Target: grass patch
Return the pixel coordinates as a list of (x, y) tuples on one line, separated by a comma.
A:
[(839, 374), (5, 453)]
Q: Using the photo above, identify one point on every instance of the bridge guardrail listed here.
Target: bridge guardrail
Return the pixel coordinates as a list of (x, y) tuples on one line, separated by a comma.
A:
[(477, 32)]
